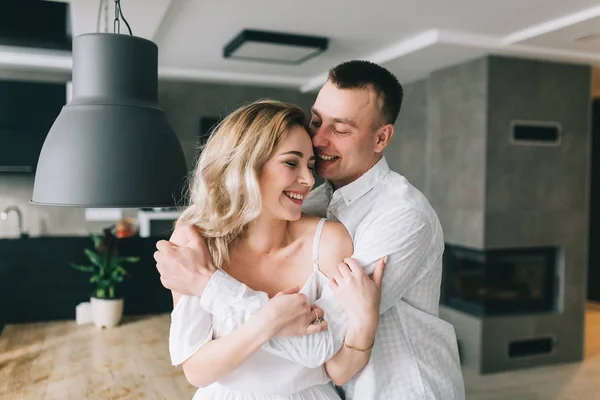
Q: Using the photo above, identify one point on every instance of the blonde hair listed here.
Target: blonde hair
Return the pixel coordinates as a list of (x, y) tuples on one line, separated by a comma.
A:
[(224, 194)]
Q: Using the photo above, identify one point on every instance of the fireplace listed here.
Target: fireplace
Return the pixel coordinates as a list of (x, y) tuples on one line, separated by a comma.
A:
[(500, 282)]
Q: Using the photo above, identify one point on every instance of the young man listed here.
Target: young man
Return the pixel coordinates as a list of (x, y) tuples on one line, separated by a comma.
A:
[(415, 354)]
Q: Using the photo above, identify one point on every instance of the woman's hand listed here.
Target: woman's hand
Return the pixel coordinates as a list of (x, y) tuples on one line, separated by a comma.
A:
[(289, 314), (355, 292)]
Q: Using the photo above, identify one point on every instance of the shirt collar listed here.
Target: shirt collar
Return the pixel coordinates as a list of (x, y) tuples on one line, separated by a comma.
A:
[(358, 188)]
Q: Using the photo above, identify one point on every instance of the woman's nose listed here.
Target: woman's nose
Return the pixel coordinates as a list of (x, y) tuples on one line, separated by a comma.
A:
[(306, 177)]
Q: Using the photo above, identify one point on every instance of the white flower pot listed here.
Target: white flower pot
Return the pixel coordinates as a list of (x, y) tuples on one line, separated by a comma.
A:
[(106, 313)]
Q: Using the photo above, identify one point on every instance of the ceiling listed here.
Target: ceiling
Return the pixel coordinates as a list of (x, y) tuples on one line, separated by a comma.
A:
[(410, 37)]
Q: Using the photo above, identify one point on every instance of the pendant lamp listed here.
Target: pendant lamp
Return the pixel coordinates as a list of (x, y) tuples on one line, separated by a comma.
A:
[(111, 145)]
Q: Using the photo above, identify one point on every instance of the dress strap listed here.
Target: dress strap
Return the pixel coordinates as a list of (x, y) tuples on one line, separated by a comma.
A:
[(316, 241)]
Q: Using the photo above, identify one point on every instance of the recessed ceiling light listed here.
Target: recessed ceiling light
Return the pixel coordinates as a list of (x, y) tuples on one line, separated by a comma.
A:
[(274, 47)]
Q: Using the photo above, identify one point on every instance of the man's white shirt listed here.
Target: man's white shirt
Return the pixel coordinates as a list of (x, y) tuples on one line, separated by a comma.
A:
[(416, 353)]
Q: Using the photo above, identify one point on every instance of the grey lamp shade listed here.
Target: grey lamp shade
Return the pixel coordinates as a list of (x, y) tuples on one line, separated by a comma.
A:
[(111, 145)]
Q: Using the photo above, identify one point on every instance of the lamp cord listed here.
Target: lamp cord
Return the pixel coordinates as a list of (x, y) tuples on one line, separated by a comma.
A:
[(102, 2), (118, 11)]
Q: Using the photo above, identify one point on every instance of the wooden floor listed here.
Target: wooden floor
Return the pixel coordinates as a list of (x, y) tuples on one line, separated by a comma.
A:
[(62, 360), (577, 381)]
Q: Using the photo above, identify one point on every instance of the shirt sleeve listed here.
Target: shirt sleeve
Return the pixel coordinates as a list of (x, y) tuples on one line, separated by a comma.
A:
[(191, 328), (224, 296), (407, 236)]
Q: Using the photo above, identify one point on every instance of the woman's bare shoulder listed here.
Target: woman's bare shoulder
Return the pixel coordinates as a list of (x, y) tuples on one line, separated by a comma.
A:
[(332, 230), (335, 245), (304, 226), (307, 219)]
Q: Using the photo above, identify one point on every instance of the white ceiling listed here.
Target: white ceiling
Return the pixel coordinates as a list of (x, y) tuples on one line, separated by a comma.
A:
[(410, 37)]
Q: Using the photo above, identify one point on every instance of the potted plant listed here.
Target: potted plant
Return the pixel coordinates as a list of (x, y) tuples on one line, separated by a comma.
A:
[(107, 269)]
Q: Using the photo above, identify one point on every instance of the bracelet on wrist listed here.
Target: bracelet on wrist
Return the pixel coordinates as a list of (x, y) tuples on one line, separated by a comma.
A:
[(346, 345)]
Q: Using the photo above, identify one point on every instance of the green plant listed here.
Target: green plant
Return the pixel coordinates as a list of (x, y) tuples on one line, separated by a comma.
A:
[(107, 266)]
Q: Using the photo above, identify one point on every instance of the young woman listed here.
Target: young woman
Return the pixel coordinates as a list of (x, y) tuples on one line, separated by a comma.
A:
[(245, 200)]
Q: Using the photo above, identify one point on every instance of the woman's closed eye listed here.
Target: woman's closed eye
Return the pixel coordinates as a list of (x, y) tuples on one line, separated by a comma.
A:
[(294, 164)]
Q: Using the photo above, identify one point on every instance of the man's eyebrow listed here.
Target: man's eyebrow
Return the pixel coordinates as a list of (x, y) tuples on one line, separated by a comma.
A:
[(346, 121)]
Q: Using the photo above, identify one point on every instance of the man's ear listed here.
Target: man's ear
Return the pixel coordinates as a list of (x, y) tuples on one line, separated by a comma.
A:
[(384, 135)]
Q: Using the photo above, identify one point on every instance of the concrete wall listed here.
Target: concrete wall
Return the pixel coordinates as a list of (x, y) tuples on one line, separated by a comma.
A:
[(455, 179), (407, 149), (538, 195), (469, 335)]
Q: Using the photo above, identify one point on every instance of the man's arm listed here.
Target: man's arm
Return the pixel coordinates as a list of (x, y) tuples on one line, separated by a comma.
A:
[(406, 236)]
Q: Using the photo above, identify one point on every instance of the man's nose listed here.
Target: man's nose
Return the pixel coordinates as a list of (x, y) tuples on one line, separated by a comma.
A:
[(319, 137)]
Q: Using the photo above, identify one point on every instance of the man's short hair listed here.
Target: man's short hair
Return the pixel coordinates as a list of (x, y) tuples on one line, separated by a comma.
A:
[(359, 74)]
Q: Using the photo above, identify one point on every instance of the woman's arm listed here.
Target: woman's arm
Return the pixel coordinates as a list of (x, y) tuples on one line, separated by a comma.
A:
[(216, 358), (206, 360)]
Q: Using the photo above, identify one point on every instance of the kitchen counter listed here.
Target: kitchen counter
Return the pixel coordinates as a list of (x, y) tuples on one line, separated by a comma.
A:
[(63, 360)]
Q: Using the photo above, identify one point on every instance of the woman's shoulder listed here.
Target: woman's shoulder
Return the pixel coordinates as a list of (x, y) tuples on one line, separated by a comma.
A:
[(332, 230), (334, 245)]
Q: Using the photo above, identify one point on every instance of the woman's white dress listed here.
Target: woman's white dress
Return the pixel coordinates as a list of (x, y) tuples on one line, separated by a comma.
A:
[(285, 368)]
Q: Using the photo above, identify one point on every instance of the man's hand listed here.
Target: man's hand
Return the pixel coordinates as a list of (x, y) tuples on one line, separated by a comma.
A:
[(184, 263), (289, 314), (355, 292)]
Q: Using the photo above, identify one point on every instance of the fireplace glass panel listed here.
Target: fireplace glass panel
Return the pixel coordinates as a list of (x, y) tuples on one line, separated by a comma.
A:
[(500, 282)]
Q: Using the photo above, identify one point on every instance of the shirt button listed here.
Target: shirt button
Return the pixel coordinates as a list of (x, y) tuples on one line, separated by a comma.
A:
[(331, 216)]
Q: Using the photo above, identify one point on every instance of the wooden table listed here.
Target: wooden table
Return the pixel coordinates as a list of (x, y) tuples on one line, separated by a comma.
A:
[(63, 360)]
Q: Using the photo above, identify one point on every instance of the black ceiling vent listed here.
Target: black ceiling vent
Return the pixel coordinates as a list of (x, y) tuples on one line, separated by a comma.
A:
[(35, 24)]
